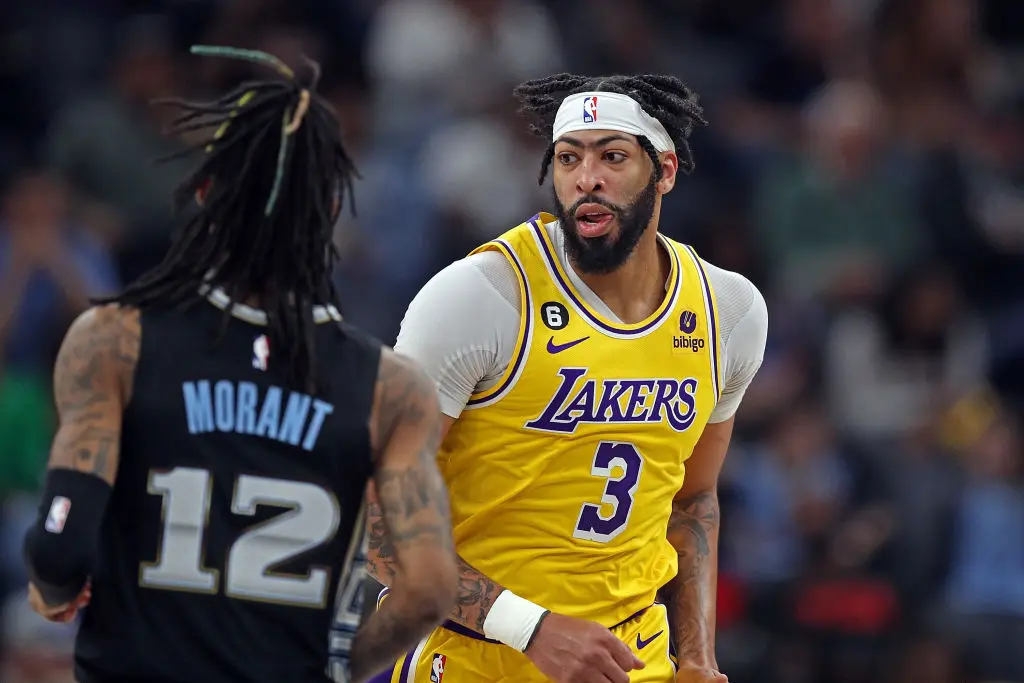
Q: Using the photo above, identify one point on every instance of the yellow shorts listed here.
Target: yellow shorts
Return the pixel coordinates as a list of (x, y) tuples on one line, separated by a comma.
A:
[(453, 654)]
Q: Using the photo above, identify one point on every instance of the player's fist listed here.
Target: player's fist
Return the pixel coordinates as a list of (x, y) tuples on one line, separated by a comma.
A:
[(60, 613), (692, 673), (570, 650)]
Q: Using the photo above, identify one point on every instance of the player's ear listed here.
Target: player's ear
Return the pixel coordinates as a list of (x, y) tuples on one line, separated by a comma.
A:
[(669, 170)]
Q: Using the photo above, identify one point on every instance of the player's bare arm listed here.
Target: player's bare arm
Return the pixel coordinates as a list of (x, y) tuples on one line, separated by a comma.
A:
[(693, 531), (411, 504), (476, 593), (92, 385)]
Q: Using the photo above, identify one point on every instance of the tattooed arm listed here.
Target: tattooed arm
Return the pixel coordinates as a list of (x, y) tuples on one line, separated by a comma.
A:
[(413, 515), (693, 531), (476, 592), (92, 384)]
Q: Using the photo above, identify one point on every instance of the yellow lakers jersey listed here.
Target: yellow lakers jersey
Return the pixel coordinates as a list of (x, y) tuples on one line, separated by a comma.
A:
[(562, 475)]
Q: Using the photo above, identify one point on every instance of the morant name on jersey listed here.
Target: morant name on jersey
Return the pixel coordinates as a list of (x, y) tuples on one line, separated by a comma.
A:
[(278, 414), (580, 400)]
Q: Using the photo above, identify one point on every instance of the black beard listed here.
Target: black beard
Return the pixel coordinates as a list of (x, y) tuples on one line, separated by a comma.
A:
[(601, 255)]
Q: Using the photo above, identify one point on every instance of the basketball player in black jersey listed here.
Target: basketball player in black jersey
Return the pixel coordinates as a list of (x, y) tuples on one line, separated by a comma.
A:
[(219, 424)]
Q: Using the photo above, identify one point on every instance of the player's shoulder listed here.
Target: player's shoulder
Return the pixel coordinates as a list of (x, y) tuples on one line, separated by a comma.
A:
[(110, 330), (102, 339), (735, 294), (483, 278)]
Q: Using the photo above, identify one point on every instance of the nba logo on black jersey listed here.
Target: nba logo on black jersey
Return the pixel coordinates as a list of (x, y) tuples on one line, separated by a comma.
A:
[(590, 109), (58, 516), (261, 352), (437, 668)]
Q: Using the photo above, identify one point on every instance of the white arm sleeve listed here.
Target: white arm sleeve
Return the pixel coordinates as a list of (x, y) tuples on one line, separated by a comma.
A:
[(743, 325), (462, 327)]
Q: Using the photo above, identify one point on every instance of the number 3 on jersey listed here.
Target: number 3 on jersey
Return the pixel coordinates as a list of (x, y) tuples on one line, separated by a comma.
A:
[(312, 519), (618, 492)]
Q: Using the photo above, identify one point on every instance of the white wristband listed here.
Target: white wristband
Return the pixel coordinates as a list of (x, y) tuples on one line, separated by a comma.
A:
[(512, 620)]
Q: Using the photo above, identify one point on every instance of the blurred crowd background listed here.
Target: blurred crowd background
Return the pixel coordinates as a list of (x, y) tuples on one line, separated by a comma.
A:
[(864, 166)]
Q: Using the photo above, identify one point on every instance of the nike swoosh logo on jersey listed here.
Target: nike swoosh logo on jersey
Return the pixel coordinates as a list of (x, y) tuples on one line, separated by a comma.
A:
[(641, 643), (558, 348)]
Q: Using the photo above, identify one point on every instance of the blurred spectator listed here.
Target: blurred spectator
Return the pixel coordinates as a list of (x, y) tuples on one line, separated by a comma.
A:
[(984, 595), (416, 45), (891, 369), (49, 267), (973, 200), (788, 66), (106, 147), (789, 490), (831, 223), (488, 182)]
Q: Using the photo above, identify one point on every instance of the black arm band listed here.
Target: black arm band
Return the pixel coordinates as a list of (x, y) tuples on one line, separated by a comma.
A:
[(62, 546)]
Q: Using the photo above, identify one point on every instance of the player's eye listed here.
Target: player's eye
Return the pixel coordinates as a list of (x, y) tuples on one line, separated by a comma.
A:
[(614, 157), (565, 157)]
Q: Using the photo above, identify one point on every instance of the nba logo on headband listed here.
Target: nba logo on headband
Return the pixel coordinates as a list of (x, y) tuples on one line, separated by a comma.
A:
[(618, 112)]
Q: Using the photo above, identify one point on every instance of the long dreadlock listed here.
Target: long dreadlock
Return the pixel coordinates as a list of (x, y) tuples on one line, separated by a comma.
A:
[(666, 98), (274, 174)]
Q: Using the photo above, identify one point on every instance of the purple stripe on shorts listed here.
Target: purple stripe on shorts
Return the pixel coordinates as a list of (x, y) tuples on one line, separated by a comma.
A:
[(468, 632)]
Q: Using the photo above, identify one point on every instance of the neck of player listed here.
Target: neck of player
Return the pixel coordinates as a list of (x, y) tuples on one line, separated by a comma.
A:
[(636, 289)]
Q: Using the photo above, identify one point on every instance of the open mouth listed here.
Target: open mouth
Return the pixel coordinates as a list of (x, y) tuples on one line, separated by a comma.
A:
[(593, 220)]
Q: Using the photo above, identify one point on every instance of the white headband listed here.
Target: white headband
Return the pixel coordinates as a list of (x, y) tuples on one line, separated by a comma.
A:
[(610, 111)]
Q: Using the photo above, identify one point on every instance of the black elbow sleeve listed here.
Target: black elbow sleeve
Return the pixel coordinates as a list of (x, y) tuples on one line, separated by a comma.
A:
[(62, 545)]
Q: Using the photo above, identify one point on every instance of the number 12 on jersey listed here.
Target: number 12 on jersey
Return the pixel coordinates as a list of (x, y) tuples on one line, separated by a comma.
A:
[(311, 519), (619, 492)]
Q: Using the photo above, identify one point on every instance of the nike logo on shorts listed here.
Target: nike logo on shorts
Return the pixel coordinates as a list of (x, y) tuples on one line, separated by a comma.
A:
[(641, 643)]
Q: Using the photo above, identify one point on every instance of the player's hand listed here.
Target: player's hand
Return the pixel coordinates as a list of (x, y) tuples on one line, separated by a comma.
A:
[(570, 650), (693, 673), (61, 614)]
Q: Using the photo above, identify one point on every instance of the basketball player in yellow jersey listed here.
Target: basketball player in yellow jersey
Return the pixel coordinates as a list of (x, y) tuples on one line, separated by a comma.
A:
[(589, 370)]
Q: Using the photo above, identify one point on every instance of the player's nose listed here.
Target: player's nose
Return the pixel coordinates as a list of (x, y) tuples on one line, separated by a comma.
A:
[(589, 179)]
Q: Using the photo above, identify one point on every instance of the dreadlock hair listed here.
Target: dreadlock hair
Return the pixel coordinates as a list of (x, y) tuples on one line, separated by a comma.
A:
[(274, 173), (666, 98)]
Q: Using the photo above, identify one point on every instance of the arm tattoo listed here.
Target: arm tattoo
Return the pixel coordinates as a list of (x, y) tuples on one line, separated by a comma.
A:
[(693, 531), (476, 592), (92, 385), (476, 595), (382, 639), (382, 557), (409, 525), (412, 502)]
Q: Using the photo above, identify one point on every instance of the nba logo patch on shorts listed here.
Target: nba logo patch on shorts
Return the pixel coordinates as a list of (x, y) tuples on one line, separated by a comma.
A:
[(58, 516), (437, 668)]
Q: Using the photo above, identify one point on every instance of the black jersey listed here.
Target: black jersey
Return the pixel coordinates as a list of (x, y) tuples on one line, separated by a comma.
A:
[(236, 518)]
